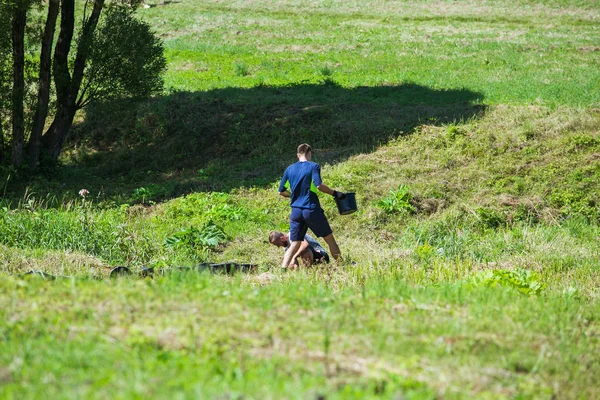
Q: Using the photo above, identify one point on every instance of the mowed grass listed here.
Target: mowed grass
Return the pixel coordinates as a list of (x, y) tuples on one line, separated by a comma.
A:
[(481, 282), (511, 52)]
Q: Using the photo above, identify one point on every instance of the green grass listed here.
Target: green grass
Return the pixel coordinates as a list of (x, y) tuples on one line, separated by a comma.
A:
[(366, 335), (355, 333), (469, 132), (511, 53)]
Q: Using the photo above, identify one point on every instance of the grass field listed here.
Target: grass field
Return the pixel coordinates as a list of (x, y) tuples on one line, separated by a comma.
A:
[(470, 133)]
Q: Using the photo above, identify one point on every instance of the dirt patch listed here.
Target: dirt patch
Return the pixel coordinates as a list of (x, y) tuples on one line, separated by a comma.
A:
[(5, 375), (335, 363), (588, 49), (263, 279)]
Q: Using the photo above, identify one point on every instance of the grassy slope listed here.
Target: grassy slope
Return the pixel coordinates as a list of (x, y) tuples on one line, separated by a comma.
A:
[(485, 109)]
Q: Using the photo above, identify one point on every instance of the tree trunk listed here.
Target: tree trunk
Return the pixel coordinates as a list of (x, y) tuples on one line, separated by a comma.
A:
[(18, 44), (83, 48), (62, 77), (54, 138), (43, 98)]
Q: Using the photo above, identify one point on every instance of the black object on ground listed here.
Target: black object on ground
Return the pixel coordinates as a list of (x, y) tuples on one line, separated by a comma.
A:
[(148, 272), (227, 268), (39, 274), (215, 268), (347, 204), (120, 271)]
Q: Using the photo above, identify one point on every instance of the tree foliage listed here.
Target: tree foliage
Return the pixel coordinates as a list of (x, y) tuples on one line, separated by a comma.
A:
[(5, 52), (104, 54), (126, 59), (5, 68)]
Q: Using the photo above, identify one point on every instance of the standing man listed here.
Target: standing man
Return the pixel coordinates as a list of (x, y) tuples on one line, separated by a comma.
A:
[(300, 183)]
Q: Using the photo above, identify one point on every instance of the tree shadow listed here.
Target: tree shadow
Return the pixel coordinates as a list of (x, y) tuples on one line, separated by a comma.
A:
[(240, 137)]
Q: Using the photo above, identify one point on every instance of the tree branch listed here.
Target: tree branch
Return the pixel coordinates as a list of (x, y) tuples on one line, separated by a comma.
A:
[(84, 47), (62, 78)]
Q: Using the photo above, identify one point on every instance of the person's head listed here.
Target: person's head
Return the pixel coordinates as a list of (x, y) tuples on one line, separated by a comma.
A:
[(277, 238), (304, 151)]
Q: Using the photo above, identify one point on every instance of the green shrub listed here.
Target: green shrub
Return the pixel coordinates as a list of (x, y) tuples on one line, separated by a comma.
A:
[(209, 236), (489, 218), (398, 201), (583, 141), (524, 281), (127, 58), (573, 202)]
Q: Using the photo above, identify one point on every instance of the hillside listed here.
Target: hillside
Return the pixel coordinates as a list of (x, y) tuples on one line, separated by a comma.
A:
[(470, 132)]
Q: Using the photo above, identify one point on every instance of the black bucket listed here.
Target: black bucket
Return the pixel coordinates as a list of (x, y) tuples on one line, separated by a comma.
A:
[(347, 205)]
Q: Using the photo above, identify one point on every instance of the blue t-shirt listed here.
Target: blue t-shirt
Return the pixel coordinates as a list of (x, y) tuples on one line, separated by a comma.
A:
[(301, 180)]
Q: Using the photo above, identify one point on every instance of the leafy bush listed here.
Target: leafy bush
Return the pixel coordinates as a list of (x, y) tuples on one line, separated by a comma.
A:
[(583, 141), (210, 236), (524, 281), (126, 59), (489, 218), (398, 201), (572, 202)]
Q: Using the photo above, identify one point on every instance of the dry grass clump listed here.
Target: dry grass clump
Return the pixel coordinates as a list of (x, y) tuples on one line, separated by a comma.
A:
[(13, 261)]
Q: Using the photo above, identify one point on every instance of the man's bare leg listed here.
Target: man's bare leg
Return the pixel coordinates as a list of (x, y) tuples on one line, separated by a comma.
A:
[(333, 246), (289, 254)]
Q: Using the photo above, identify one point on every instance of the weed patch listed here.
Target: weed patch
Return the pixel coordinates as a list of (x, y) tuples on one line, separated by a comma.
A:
[(522, 280), (198, 240), (397, 201)]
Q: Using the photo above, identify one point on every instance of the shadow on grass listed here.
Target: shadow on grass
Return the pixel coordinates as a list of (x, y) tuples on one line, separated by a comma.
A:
[(235, 137)]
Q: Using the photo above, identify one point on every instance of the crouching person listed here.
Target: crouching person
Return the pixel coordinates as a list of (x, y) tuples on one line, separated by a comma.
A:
[(310, 251)]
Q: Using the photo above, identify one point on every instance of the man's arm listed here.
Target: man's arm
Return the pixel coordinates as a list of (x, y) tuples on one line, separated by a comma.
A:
[(303, 246), (292, 253), (325, 189), (284, 185)]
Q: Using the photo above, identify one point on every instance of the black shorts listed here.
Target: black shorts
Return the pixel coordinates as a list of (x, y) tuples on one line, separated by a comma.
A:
[(319, 257), (301, 219)]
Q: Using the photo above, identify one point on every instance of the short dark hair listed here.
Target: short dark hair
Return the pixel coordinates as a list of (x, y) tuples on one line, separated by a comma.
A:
[(274, 235), (304, 148)]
